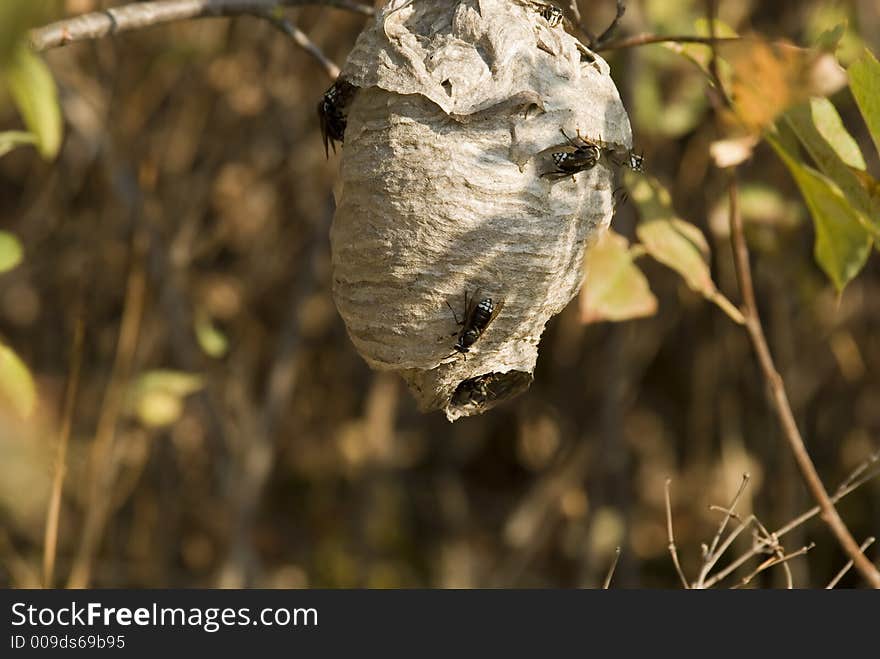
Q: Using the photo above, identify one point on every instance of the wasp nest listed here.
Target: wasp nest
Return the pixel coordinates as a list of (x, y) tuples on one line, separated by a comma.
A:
[(480, 155)]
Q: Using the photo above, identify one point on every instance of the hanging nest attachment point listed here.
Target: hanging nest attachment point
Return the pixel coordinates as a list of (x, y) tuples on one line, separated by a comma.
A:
[(481, 148)]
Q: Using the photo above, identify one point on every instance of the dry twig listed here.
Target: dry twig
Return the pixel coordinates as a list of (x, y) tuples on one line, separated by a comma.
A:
[(50, 542), (648, 39), (856, 479), (781, 404), (671, 536), (714, 552), (302, 40), (770, 562), (831, 584), (103, 467), (136, 16), (607, 583)]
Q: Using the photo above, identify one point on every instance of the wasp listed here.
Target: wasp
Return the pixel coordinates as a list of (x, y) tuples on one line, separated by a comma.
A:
[(333, 114), (478, 315), (636, 161), (551, 13), (624, 158), (487, 390), (584, 156)]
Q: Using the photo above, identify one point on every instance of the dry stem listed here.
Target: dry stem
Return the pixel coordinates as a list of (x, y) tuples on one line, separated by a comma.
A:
[(781, 405), (50, 542), (607, 583), (867, 543), (671, 536), (770, 562), (102, 466), (140, 15)]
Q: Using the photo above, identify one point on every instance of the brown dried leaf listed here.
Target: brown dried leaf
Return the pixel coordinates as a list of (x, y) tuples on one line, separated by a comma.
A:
[(769, 77)]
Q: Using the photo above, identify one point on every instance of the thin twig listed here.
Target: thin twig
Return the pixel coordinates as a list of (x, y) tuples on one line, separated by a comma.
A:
[(102, 467), (139, 15), (831, 584), (838, 495), (612, 27), (771, 542), (671, 536), (301, 39), (799, 520), (781, 405), (730, 513), (50, 538), (729, 540), (607, 584), (648, 39), (770, 562), (858, 471)]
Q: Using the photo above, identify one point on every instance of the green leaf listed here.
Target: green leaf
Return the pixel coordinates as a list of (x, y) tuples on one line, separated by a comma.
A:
[(156, 397), (11, 139), (36, 97), (614, 288), (864, 82), (11, 252), (842, 242), (836, 157), (17, 386), (829, 40), (675, 243), (830, 126)]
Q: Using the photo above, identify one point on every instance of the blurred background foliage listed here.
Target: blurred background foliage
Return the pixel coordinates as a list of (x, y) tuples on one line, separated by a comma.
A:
[(173, 250)]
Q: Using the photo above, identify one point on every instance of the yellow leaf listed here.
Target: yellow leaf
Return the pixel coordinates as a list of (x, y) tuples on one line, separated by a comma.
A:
[(156, 397), (33, 89), (614, 288), (17, 386), (211, 340), (10, 251), (675, 243)]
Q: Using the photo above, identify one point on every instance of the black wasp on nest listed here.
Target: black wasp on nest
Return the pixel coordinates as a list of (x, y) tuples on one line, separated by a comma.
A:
[(624, 157), (478, 314), (551, 13), (486, 390), (332, 113), (584, 156)]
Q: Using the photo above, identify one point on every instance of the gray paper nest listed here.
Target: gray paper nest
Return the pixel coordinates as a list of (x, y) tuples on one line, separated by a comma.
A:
[(459, 108)]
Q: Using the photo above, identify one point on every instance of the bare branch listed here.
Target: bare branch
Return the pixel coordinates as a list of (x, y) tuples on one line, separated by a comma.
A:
[(858, 471), (712, 559), (779, 397), (831, 584), (607, 584), (730, 513), (712, 553), (103, 467), (302, 40), (671, 536), (841, 492), (648, 39), (141, 15), (770, 562), (848, 486), (50, 541)]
